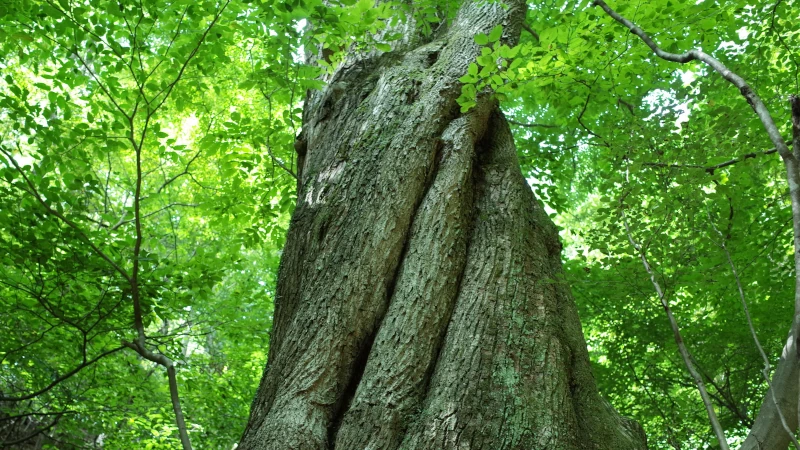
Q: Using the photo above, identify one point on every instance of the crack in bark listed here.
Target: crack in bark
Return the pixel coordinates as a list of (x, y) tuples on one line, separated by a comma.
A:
[(343, 405), (471, 221)]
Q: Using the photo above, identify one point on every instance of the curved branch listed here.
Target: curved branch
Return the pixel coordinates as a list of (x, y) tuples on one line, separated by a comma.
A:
[(160, 359), (698, 55)]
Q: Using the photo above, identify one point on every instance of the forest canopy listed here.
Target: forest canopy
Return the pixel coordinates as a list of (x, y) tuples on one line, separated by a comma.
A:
[(148, 173)]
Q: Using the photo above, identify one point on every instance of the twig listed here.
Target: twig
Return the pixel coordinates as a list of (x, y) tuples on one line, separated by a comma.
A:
[(527, 28), (185, 172), (53, 212), (531, 125), (171, 205), (711, 169), (580, 121), (168, 89), (280, 163)]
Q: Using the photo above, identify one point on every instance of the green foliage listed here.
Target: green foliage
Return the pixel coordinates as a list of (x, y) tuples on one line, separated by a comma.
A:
[(111, 107), (198, 105)]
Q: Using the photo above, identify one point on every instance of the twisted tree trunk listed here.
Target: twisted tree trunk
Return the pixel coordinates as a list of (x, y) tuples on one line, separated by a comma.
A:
[(420, 302)]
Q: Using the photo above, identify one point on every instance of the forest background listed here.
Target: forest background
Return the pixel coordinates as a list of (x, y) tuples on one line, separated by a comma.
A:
[(147, 170)]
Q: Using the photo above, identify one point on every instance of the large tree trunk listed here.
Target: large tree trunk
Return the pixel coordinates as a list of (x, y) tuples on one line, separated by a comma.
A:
[(420, 300)]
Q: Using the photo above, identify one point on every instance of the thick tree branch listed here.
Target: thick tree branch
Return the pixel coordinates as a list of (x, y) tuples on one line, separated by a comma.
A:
[(139, 345), (160, 359), (137, 220)]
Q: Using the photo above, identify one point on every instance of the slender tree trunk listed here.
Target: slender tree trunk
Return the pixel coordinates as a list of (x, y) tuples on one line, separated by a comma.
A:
[(420, 300)]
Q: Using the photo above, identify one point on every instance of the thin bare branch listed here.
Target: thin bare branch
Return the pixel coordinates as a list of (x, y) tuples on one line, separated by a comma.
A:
[(531, 125), (712, 169), (767, 368), (676, 332)]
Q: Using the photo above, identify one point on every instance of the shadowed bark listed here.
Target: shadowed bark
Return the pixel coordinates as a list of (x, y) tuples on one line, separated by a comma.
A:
[(420, 300)]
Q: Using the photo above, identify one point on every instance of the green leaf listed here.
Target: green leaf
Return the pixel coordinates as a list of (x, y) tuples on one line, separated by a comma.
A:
[(481, 39), (496, 33)]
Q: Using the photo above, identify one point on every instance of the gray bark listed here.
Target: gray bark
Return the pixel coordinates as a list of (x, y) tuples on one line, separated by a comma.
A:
[(420, 300)]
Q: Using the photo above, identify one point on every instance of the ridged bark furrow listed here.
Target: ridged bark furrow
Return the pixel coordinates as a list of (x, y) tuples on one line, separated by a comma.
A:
[(419, 302)]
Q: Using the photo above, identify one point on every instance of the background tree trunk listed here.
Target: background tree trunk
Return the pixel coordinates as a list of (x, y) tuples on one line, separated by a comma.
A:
[(420, 302)]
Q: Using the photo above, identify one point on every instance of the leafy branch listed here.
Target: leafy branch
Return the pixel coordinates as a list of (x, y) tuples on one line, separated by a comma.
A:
[(784, 380)]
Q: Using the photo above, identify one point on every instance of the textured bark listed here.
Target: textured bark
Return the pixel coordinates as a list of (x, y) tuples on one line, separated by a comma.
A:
[(769, 429), (420, 302)]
